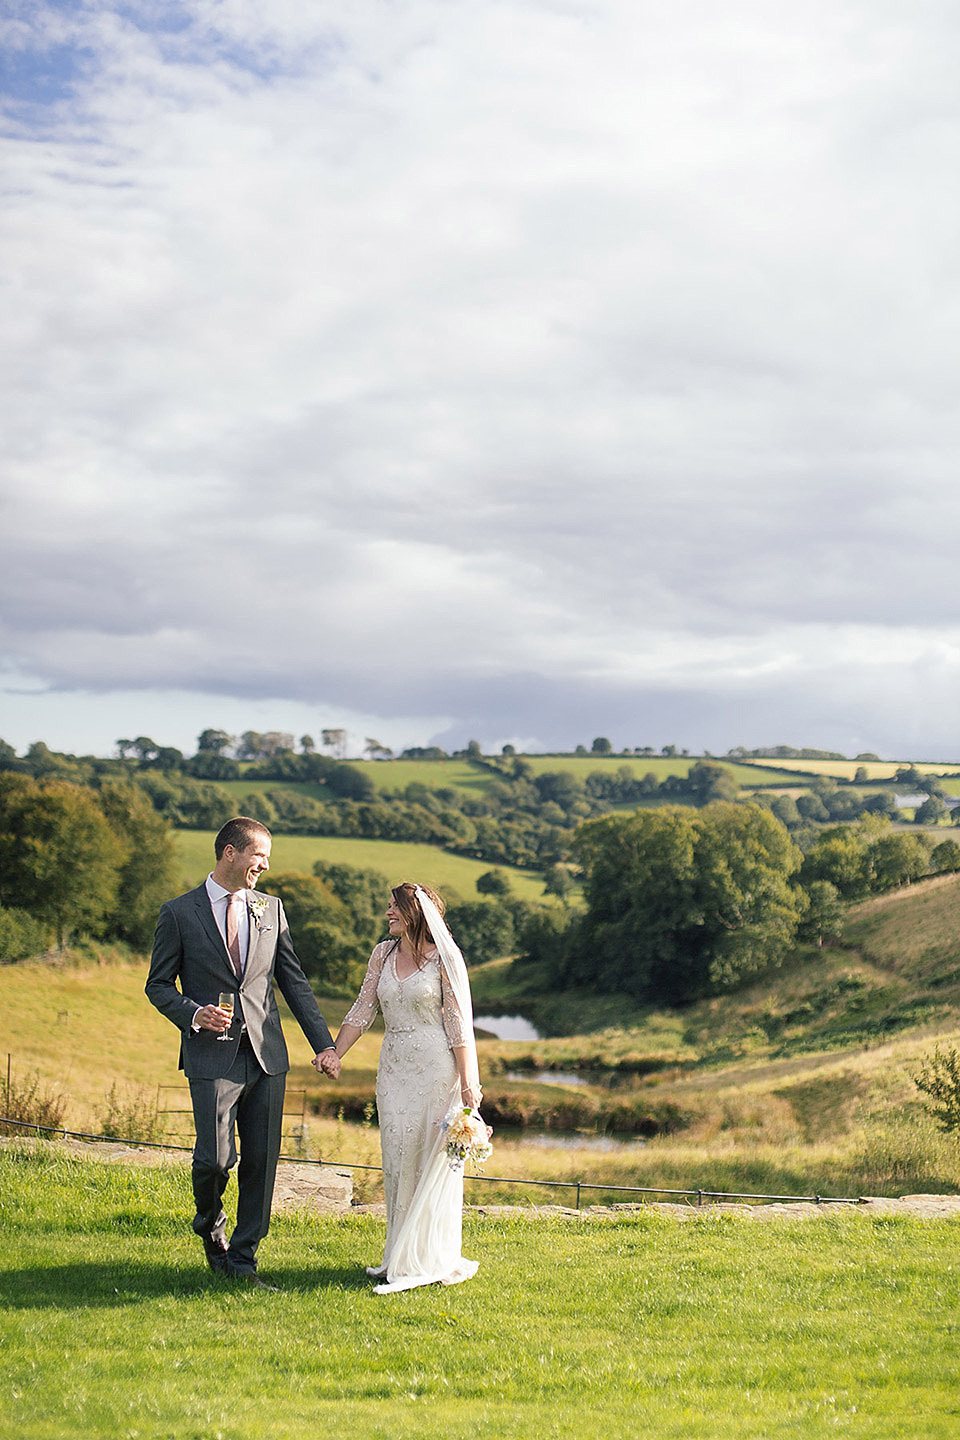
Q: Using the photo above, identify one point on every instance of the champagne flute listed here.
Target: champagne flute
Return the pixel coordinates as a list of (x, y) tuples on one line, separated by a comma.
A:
[(225, 1002)]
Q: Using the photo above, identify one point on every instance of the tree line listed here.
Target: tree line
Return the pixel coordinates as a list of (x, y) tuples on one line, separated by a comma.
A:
[(79, 861), (684, 903)]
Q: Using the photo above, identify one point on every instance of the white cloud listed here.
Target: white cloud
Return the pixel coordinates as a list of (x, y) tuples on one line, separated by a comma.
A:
[(482, 355)]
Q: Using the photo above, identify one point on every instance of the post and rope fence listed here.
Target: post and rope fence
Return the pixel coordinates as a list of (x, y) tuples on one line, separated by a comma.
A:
[(579, 1186)]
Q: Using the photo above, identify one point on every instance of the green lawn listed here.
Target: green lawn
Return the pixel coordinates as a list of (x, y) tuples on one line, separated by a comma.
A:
[(717, 1328), (455, 876)]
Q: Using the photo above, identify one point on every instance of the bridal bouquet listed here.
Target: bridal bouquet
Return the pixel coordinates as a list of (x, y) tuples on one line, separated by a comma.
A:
[(466, 1138)]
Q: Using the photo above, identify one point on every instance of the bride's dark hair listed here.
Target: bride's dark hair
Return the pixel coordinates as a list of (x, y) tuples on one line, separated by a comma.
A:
[(417, 930)]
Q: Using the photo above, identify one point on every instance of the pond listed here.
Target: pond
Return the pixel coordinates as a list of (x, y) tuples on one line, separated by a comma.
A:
[(506, 1027), (569, 1139), (549, 1077)]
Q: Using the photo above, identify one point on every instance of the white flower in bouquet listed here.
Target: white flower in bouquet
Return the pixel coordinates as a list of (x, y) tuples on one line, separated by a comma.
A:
[(466, 1138)]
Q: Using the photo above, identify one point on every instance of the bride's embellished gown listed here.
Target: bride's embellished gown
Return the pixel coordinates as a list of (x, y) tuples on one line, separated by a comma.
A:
[(417, 1085)]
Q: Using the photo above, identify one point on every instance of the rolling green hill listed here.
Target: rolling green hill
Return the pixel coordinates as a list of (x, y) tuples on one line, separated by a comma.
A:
[(455, 876)]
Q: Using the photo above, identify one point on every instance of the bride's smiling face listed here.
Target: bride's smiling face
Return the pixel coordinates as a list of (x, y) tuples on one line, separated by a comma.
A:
[(394, 919)]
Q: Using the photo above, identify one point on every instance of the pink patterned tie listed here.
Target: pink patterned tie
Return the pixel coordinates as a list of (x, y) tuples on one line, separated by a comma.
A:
[(233, 935)]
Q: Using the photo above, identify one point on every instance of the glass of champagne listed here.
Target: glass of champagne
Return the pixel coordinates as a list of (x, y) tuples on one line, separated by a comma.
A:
[(225, 1002)]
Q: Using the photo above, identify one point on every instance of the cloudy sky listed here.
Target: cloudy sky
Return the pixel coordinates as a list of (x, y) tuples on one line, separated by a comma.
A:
[(518, 370)]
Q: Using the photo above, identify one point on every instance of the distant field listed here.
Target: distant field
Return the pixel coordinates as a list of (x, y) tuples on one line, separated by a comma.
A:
[(451, 772), (393, 776), (846, 769), (455, 876)]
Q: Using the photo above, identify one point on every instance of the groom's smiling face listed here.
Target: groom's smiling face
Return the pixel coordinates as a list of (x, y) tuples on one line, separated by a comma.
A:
[(242, 868)]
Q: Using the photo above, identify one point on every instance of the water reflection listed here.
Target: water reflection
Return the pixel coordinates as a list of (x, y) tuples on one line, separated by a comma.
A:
[(570, 1139), (506, 1027), (549, 1077)]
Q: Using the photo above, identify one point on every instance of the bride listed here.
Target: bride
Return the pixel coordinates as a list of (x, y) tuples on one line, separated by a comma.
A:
[(428, 1066)]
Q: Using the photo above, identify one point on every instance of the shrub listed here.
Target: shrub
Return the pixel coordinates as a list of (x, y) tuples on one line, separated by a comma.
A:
[(939, 1078), (131, 1115), (21, 935), (26, 1102)]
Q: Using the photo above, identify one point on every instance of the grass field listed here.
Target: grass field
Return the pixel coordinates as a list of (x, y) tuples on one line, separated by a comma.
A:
[(396, 774), (846, 769), (455, 876), (717, 1328)]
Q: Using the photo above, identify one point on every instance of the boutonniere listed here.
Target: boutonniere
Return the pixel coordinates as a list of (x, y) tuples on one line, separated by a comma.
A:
[(257, 905)]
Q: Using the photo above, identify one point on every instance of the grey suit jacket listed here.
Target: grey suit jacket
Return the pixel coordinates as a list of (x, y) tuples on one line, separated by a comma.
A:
[(190, 966)]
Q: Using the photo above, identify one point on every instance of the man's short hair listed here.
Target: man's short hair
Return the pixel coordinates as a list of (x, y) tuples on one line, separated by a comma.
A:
[(241, 832)]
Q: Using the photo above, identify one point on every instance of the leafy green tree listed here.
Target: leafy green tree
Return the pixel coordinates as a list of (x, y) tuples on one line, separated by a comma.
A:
[(811, 807), (212, 765), (22, 936), (561, 788), (61, 859), (557, 880), (321, 927), (335, 740), (939, 1078), (706, 781), (642, 928), (824, 914), (745, 862), (897, 860), (682, 903), (168, 757), (601, 746), (841, 856), (880, 803), (945, 857), (213, 742), (364, 893), (148, 866), (482, 930), (930, 812), (493, 882), (785, 809)]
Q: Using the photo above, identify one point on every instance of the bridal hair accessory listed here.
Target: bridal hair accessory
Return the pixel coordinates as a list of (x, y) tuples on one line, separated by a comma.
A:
[(456, 973), (465, 1138)]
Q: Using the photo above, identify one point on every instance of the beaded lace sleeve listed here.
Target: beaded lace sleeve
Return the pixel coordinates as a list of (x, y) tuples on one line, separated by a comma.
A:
[(453, 1022), (363, 1011)]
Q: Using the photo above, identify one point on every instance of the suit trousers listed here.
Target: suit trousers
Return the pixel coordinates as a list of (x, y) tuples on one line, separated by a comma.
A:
[(246, 1103)]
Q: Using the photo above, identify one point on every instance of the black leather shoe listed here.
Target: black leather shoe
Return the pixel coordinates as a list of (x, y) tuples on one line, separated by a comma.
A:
[(216, 1256)]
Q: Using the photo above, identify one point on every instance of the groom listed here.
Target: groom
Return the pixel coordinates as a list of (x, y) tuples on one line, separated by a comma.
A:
[(226, 936)]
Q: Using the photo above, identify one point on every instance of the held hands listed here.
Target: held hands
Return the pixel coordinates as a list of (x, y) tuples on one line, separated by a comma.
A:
[(329, 1062)]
